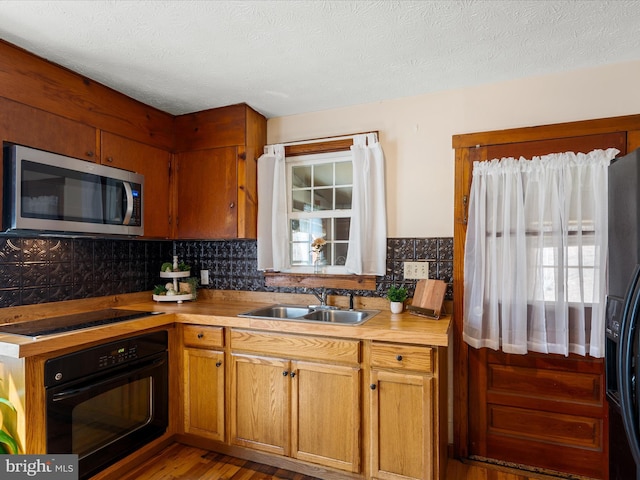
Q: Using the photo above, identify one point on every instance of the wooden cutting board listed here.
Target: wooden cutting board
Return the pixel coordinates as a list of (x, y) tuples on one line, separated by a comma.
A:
[(428, 298)]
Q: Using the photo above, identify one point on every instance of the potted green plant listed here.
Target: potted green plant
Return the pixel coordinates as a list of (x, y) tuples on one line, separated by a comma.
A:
[(8, 443), (397, 295)]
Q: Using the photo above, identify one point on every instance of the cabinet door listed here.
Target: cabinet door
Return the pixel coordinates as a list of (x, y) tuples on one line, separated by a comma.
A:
[(154, 163), (204, 393), (260, 410), (326, 415), (401, 425), (206, 196), (35, 128)]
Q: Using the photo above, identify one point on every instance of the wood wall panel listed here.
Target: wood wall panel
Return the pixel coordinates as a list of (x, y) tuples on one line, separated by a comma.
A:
[(33, 81), (221, 127), (534, 425), (546, 384)]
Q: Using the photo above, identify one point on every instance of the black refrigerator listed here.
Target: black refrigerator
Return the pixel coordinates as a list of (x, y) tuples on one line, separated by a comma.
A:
[(622, 353)]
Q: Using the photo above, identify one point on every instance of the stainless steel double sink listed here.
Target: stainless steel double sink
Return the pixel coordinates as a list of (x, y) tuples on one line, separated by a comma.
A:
[(311, 314)]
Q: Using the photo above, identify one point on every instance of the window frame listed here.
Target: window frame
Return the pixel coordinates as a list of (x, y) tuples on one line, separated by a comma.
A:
[(316, 158)]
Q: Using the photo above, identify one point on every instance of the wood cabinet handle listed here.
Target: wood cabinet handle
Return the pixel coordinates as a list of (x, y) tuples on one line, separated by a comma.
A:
[(218, 363), (372, 386), (399, 358), (201, 335)]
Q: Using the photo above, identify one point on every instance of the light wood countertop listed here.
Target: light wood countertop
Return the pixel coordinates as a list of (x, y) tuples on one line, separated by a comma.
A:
[(221, 309)]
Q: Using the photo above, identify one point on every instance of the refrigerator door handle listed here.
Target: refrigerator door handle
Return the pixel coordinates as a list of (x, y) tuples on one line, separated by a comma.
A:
[(630, 315)]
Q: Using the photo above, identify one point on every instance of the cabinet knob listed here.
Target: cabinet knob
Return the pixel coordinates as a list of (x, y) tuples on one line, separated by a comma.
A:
[(285, 373), (218, 363), (110, 159), (201, 335), (89, 154), (232, 204), (372, 386), (293, 374), (399, 358)]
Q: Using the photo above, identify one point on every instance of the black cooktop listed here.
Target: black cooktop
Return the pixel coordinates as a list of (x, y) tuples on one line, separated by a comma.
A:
[(76, 321)]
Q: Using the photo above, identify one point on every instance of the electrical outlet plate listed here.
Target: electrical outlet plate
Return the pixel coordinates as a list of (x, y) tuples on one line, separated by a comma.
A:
[(416, 270), (204, 277)]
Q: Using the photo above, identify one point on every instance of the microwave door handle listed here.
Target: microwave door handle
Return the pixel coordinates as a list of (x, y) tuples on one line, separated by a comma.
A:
[(129, 212)]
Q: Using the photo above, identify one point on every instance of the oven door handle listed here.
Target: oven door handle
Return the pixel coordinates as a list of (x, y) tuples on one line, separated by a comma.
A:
[(58, 397)]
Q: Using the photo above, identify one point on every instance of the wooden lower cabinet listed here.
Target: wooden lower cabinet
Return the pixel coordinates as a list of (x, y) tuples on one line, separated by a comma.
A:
[(406, 413), (309, 411), (402, 427), (301, 397), (260, 395), (305, 409), (204, 382), (326, 415)]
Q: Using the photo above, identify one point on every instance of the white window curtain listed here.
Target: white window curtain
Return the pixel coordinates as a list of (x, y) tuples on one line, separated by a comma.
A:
[(367, 252), (536, 254), (273, 231)]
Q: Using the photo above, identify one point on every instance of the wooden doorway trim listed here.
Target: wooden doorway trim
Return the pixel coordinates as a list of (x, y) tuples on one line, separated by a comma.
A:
[(473, 147)]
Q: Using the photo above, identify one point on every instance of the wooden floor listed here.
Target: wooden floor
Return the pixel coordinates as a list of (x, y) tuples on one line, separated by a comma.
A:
[(181, 462)]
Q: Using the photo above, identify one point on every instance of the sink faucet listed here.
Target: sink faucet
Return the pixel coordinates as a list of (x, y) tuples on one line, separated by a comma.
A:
[(322, 296)]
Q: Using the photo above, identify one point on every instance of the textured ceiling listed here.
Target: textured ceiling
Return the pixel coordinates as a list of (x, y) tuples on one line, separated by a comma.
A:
[(287, 57)]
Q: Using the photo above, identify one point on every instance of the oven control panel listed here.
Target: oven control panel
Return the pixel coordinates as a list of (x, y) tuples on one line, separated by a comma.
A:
[(118, 355), (96, 359)]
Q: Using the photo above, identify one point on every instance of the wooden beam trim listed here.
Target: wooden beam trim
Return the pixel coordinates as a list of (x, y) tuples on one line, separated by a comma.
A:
[(301, 280), (544, 132)]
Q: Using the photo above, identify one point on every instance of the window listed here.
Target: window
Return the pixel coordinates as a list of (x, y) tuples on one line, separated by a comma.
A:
[(320, 192), (535, 254), (329, 189), (578, 274)]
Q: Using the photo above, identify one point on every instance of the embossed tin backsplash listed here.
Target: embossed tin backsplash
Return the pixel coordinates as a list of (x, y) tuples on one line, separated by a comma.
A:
[(40, 270)]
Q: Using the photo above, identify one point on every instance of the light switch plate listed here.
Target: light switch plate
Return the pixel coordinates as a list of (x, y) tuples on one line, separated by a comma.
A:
[(204, 277), (416, 270)]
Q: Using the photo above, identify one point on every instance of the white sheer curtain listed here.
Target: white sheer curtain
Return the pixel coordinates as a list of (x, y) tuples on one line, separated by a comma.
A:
[(536, 254), (368, 231), (273, 231)]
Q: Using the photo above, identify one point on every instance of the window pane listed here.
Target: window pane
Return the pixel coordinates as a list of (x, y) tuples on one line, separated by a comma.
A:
[(344, 173), (303, 231), (343, 198), (323, 198), (301, 201), (342, 228), (301, 177), (325, 255), (323, 175), (341, 253)]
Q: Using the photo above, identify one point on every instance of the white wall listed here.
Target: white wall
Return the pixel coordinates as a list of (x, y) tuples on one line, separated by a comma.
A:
[(416, 132)]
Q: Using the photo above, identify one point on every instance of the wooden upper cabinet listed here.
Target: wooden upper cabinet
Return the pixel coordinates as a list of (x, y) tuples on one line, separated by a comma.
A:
[(36, 128), (206, 194), (154, 163), (216, 194)]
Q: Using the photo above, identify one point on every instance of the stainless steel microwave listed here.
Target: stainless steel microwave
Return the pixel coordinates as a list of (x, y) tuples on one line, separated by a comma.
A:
[(48, 192)]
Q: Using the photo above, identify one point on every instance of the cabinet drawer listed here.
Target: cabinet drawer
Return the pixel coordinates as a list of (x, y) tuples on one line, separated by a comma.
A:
[(200, 336), (297, 346), (405, 357)]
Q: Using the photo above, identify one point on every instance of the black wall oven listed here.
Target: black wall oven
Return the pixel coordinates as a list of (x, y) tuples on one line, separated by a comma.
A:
[(105, 402)]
